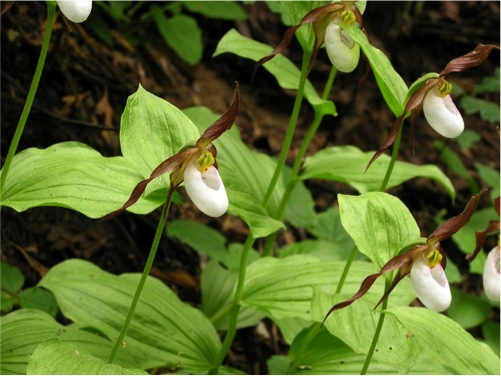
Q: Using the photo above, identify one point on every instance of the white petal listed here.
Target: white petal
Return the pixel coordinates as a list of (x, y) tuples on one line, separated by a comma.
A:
[(75, 10), (206, 190), (491, 275), (342, 51), (431, 285), (442, 114)]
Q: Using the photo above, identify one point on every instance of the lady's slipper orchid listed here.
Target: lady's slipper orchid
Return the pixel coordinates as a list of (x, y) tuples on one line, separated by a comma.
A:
[(442, 114), (491, 275), (343, 52), (326, 20), (205, 187), (433, 96), (196, 166), (430, 284), (75, 10), (425, 263)]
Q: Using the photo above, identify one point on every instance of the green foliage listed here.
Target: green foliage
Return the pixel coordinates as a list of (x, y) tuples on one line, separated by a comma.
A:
[(284, 71), (53, 357), (12, 280)]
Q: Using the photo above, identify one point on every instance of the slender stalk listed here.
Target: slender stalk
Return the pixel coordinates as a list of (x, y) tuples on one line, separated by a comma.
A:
[(346, 269), (377, 333), (235, 306), (51, 8), (291, 128), (394, 154), (142, 281)]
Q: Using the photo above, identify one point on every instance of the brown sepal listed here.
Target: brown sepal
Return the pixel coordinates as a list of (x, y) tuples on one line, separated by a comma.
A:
[(453, 225), (413, 103), (402, 262), (312, 16), (222, 124), (481, 235), (472, 59), (176, 163)]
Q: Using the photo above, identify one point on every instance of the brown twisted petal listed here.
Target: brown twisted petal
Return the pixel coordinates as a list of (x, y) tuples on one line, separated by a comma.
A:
[(472, 59), (481, 235)]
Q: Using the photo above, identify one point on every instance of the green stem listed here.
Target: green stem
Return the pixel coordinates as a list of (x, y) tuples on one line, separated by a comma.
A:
[(394, 154), (299, 160), (235, 306), (291, 128), (142, 281), (51, 8), (377, 333), (346, 269)]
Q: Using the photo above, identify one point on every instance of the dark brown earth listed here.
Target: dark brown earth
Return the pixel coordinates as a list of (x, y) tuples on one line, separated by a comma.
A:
[(85, 86)]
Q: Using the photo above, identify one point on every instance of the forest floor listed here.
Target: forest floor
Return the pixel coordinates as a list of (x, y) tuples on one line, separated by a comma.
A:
[(85, 85)]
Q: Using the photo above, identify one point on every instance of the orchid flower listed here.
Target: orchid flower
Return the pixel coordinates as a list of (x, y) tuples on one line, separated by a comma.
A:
[(196, 166), (431, 93), (425, 263), (326, 20), (75, 10), (343, 52), (491, 277), (441, 113)]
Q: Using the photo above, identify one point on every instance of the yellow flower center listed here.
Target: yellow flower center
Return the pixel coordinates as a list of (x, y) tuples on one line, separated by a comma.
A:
[(434, 258), (347, 16), (444, 88), (205, 161)]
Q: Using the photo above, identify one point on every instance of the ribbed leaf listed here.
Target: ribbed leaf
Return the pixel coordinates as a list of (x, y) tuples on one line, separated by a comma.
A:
[(53, 357), (347, 164), (285, 72), (25, 329), (164, 331), (380, 224), (75, 176), (443, 342)]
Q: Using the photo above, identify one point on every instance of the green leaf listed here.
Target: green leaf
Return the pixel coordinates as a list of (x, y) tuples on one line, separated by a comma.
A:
[(347, 164), (468, 311), (151, 131), (283, 288), (181, 33), (442, 341), (74, 176), (356, 324), (328, 355), (465, 237), (490, 330), (23, 330), (468, 138), (246, 175), (53, 357), (11, 278), (322, 249), (488, 84), (285, 72), (7, 301), (223, 10), (165, 332), (380, 224), (489, 111), (218, 286), (38, 298), (390, 83), (300, 210), (491, 177), (328, 226)]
